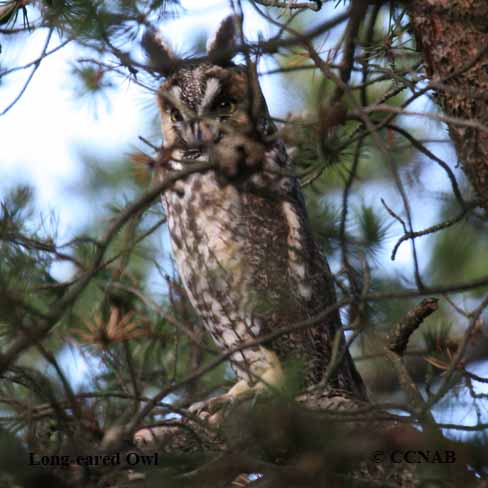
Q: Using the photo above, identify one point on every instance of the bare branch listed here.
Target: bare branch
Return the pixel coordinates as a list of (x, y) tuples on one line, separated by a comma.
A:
[(316, 5), (400, 335), (36, 63)]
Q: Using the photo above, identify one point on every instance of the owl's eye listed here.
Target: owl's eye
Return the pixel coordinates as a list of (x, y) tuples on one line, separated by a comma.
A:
[(226, 106), (175, 115)]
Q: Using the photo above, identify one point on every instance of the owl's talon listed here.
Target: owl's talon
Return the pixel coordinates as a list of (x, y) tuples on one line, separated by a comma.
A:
[(196, 408), (213, 409), (206, 408)]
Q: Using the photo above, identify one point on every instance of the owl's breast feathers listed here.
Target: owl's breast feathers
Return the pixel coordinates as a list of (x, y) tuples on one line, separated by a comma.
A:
[(250, 265)]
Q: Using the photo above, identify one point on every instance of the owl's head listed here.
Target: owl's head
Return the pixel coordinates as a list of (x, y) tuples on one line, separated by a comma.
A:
[(206, 104)]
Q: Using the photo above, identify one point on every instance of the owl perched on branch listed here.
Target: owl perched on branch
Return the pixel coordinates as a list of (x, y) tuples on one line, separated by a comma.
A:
[(240, 234)]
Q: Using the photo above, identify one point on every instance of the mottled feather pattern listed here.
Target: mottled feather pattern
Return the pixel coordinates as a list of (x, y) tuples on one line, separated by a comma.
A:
[(250, 265), (240, 233)]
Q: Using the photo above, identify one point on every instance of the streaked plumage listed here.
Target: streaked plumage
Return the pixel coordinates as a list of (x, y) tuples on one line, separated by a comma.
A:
[(240, 233)]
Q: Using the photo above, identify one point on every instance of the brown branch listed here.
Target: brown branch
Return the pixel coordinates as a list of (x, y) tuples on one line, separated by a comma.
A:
[(431, 230), (456, 121), (395, 346), (266, 338), (316, 5), (420, 146), (59, 307), (358, 11), (400, 335), (458, 356)]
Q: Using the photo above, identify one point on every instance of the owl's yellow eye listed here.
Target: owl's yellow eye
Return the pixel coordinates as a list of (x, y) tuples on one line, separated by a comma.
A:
[(175, 115), (226, 106)]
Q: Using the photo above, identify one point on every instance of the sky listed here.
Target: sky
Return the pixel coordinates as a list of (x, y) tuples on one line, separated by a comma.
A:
[(42, 135), (44, 132)]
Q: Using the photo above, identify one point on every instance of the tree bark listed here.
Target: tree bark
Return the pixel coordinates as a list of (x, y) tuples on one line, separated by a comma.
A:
[(452, 36)]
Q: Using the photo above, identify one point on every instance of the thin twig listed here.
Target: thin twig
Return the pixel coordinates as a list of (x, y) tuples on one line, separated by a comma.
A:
[(59, 307), (37, 63)]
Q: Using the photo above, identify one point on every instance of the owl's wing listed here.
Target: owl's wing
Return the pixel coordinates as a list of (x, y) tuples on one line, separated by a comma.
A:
[(297, 266)]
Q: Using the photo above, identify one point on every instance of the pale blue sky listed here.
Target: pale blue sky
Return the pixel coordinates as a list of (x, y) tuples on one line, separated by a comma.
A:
[(40, 136)]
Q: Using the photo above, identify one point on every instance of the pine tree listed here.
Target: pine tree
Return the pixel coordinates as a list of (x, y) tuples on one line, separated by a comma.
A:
[(366, 161)]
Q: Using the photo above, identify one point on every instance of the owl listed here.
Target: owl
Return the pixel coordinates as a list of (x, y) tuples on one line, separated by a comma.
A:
[(240, 234)]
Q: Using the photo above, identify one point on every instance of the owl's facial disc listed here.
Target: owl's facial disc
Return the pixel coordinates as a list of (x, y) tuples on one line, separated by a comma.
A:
[(200, 106), (202, 125)]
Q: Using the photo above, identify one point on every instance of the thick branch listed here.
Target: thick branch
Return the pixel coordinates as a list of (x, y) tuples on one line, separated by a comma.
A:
[(452, 35)]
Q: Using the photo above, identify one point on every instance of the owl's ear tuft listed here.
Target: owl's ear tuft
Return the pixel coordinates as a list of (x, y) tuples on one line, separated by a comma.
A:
[(161, 57), (224, 41)]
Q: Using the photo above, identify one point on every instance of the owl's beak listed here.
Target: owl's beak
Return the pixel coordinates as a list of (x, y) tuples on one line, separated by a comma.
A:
[(207, 135), (204, 134), (199, 136)]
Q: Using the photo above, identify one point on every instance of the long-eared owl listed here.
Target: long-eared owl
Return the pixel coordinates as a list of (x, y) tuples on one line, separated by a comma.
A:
[(239, 231)]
